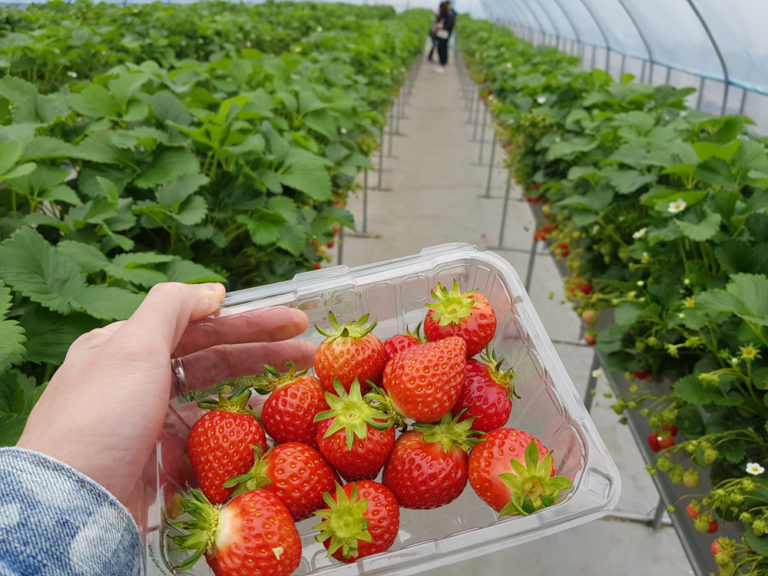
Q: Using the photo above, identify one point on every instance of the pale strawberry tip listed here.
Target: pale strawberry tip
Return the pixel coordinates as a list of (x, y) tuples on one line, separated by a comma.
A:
[(532, 485)]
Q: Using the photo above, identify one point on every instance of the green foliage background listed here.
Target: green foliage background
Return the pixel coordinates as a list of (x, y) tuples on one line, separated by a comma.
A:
[(205, 142)]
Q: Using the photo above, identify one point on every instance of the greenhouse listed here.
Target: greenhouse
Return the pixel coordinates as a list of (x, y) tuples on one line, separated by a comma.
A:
[(468, 287)]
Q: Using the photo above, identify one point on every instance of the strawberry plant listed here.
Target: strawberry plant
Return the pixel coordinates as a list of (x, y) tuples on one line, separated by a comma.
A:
[(657, 213)]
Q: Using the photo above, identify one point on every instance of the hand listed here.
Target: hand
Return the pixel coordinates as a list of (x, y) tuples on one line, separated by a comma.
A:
[(103, 410)]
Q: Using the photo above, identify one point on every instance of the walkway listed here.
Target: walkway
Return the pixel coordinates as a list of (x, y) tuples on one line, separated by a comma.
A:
[(435, 191)]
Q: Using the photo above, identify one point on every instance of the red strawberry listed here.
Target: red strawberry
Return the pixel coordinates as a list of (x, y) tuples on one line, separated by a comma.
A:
[(355, 437), (297, 473), (253, 529), (361, 519), (466, 314), (428, 466), (220, 444), (666, 440), (399, 342), (693, 509), (487, 393), (350, 351), (513, 472), (294, 399), (590, 337), (586, 288), (424, 381), (653, 442)]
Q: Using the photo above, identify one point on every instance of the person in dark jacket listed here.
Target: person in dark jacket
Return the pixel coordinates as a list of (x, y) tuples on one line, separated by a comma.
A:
[(446, 20)]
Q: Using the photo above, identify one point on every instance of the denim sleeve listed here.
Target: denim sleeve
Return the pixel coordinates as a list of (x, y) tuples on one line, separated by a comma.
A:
[(56, 521)]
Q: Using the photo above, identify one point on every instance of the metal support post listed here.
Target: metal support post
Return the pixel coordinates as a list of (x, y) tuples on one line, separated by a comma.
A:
[(480, 104), (391, 131), (340, 246), (490, 165), (591, 383), (381, 161), (659, 514), (529, 271), (482, 135), (504, 211), (365, 201)]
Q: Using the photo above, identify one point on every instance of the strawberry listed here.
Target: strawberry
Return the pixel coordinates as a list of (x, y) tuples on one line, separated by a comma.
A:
[(254, 529), (468, 315), (487, 393), (666, 440), (590, 337), (355, 437), (350, 351), (361, 519), (424, 381), (428, 465), (586, 288), (693, 509), (297, 473), (653, 442), (220, 444), (294, 399), (513, 472), (399, 342)]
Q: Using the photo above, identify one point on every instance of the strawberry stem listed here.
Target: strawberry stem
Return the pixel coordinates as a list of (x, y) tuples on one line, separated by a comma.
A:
[(350, 329), (451, 307), (532, 484), (344, 522), (198, 530)]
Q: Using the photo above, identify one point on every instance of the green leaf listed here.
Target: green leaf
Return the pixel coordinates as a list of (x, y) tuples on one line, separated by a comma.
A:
[(168, 108), (174, 193), (567, 149), (35, 269), (192, 211), (264, 226), (627, 313), (93, 102), (689, 422), (125, 86), (307, 173), (12, 335), (18, 394), (168, 166), (108, 302), (49, 334), (757, 224), (47, 147), (87, 256), (689, 389), (626, 180), (180, 270), (293, 239), (760, 378), (703, 229), (759, 544)]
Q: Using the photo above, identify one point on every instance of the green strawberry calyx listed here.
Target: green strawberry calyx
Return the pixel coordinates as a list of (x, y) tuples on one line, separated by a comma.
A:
[(451, 307), (532, 485), (505, 378), (356, 329), (237, 402), (272, 379), (451, 431), (196, 529), (344, 522), (352, 413), (256, 477)]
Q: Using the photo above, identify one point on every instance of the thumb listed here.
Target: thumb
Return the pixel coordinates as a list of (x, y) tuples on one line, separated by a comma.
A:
[(167, 310)]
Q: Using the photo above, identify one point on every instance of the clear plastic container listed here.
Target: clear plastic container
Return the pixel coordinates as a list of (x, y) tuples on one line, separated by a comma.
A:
[(395, 292)]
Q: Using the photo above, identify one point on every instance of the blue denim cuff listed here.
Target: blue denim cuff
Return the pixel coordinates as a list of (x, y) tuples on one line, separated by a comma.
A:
[(55, 520)]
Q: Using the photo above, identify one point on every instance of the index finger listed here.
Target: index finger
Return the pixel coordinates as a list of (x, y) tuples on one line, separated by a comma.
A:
[(262, 325)]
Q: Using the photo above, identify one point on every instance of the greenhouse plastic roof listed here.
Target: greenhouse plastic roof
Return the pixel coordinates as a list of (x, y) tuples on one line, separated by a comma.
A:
[(716, 39)]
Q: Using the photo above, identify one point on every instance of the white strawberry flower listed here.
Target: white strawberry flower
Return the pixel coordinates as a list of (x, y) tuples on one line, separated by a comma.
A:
[(597, 373), (640, 233), (676, 206), (755, 469)]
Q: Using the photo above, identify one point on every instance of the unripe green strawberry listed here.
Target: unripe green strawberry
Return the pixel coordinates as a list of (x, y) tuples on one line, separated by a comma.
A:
[(468, 315), (361, 518), (253, 529), (424, 381), (349, 352), (220, 444)]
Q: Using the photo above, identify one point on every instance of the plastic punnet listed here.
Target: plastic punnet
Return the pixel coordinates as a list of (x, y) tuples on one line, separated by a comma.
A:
[(395, 292)]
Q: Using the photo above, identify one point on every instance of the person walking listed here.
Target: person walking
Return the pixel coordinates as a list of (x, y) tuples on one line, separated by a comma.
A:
[(445, 22)]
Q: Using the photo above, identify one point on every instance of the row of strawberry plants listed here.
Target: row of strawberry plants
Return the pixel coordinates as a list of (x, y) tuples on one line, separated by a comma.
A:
[(234, 168), (658, 212)]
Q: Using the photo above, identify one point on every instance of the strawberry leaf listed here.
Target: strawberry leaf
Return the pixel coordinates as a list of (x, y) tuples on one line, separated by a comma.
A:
[(180, 270), (38, 271), (18, 394), (12, 335)]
